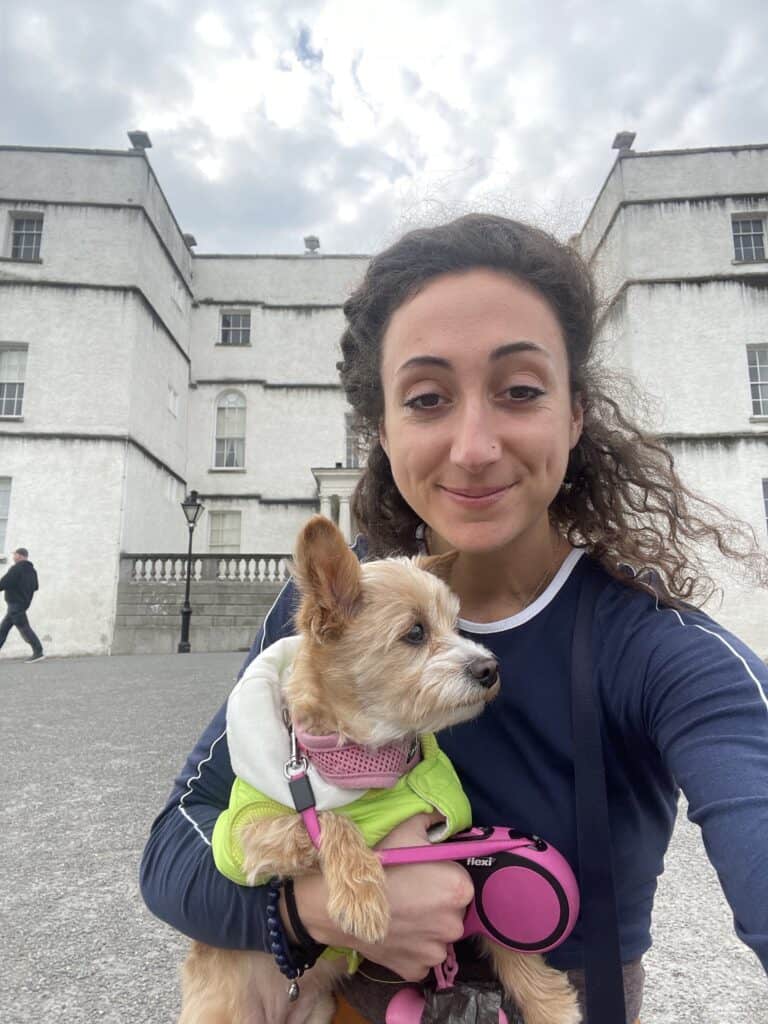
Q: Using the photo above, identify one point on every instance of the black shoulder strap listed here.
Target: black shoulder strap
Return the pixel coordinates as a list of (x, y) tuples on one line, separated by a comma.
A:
[(602, 954)]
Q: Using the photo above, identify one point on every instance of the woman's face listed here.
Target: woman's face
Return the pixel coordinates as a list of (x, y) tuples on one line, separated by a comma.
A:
[(478, 416)]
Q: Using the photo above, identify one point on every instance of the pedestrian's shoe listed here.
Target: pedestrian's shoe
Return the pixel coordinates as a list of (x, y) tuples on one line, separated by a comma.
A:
[(35, 657)]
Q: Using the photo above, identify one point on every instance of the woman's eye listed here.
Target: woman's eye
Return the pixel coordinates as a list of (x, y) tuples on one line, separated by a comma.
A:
[(415, 634), (430, 400), (523, 392)]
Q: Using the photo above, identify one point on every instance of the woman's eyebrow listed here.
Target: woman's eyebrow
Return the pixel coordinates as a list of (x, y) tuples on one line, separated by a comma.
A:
[(425, 361), (519, 346), (509, 349)]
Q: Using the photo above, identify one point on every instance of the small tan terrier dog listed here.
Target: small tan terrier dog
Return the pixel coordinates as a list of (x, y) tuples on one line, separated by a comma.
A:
[(378, 662)]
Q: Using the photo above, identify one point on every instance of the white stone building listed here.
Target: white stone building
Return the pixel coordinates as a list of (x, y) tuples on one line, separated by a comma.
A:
[(677, 242), (133, 370)]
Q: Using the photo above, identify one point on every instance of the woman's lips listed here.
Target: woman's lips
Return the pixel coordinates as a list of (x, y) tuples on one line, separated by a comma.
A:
[(475, 497)]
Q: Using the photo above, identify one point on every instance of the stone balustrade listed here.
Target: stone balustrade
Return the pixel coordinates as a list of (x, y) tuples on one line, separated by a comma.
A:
[(229, 597), (173, 568)]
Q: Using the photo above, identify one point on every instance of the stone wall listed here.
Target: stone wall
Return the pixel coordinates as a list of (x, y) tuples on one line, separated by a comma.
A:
[(228, 604)]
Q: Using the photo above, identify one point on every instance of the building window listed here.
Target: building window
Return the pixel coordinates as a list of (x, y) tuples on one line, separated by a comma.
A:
[(230, 431), (26, 232), (236, 328), (749, 239), (353, 448), (757, 359), (13, 365), (224, 532), (5, 504)]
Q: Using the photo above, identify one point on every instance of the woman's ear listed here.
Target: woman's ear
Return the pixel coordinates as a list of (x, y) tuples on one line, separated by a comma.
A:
[(383, 437)]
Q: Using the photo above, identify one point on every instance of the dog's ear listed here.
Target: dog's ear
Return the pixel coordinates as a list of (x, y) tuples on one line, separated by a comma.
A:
[(328, 575), (438, 565)]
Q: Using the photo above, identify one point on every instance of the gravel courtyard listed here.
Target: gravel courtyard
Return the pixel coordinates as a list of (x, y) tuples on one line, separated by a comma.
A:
[(89, 749)]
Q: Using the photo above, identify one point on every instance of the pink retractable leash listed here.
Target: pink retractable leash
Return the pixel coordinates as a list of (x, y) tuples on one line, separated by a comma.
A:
[(526, 896)]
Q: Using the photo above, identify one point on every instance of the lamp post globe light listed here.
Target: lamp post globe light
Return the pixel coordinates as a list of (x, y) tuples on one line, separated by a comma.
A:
[(191, 507)]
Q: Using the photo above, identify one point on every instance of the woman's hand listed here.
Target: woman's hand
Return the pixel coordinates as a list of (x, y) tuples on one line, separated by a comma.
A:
[(427, 906)]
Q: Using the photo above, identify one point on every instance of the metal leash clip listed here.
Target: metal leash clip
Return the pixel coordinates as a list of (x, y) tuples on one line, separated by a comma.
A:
[(296, 764)]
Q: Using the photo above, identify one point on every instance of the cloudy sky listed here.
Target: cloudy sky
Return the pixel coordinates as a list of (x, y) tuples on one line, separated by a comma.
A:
[(352, 120)]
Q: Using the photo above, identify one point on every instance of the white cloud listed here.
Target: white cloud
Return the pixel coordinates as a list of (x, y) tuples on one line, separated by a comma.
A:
[(211, 29), (348, 118)]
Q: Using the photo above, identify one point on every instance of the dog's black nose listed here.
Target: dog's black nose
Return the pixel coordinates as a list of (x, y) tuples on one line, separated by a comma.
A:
[(485, 671)]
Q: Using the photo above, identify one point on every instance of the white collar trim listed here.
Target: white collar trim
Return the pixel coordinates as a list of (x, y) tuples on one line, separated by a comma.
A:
[(541, 602)]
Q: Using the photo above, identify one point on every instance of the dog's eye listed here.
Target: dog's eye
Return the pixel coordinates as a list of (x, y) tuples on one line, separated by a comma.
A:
[(415, 634)]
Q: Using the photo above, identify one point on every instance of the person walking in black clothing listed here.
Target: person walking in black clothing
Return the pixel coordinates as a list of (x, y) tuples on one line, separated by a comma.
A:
[(20, 584)]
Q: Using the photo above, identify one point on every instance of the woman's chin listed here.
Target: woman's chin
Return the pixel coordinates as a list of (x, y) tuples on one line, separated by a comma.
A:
[(478, 538)]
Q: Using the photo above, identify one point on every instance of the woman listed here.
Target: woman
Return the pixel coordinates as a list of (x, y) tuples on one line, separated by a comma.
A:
[(467, 360)]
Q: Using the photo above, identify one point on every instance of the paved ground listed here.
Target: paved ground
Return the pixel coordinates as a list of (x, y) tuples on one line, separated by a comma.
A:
[(89, 749)]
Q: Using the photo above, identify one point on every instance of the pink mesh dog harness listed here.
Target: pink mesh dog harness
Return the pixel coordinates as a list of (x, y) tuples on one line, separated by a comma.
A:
[(352, 766)]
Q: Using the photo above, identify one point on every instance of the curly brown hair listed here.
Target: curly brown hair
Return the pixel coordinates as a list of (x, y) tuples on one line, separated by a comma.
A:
[(621, 497)]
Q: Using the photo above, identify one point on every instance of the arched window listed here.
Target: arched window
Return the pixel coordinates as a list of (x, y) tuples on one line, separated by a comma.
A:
[(230, 431)]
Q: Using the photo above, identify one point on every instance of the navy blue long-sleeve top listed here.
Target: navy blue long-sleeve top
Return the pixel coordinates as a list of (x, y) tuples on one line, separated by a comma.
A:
[(684, 706)]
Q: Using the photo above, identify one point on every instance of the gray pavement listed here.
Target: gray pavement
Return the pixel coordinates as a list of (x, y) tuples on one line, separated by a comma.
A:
[(89, 749)]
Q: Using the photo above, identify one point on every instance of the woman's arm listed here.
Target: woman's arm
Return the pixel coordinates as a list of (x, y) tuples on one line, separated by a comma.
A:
[(706, 708), (179, 880)]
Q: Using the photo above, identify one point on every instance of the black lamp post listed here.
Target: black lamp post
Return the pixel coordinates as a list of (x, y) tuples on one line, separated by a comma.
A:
[(192, 507)]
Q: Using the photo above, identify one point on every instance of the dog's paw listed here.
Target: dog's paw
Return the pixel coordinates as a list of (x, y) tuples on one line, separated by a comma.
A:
[(558, 1005), (361, 910)]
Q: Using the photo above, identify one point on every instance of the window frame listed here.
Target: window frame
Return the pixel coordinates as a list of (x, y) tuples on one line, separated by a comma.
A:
[(240, 329), (759, 381), (16, 217), (18, 385), (214, 515), (222, 467), (353, 448), (737, 237)]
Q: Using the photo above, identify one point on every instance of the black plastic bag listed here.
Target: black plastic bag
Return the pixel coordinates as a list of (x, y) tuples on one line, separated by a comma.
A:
[(464, 1004)]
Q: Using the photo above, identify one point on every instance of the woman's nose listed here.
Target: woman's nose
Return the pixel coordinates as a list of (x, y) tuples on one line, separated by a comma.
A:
[(475, 442)]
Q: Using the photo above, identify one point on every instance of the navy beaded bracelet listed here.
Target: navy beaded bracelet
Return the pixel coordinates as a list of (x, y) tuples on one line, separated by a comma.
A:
[(278, 942)]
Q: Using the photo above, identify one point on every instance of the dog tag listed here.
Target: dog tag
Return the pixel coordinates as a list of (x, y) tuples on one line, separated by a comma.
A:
[(301, 793)]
